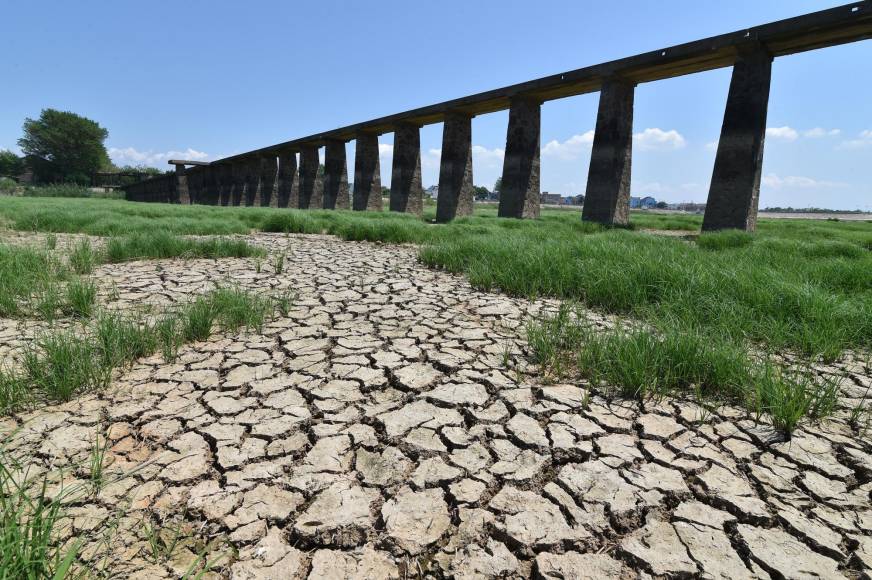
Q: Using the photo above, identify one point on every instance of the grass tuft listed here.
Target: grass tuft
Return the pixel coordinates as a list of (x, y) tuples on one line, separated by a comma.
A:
[(163, 245), (642, 362)]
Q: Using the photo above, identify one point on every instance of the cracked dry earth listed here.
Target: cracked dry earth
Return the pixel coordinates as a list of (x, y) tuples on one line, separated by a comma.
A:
[(377, 432)]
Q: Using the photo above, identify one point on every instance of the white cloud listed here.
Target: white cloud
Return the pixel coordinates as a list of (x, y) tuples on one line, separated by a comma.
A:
[(863, 140), (775, 181), (484, 157), (819, 132), (712, 145), (784, 133), (132, 156), (385, 150), (430, 158), (654, 139), (570, 149)]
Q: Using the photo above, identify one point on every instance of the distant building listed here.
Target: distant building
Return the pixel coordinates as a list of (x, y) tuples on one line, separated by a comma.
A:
[(577, 199), (646, 202), (432, 191), (551, 198)]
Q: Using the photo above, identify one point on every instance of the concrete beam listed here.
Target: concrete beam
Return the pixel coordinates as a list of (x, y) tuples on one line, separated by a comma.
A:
[(840, 25), (407, 192), (183, 196), (184, 162), (456, 196), (310, 190), (288, 191), (367, 174), (607, 198), (734, 192), (335, 176), (519, 191)]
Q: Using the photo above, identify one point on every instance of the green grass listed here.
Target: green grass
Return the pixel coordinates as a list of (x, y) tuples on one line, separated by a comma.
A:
[(60, 365), (798, 285), (30, 280), (38, 282), (30, 519), (162, 245), (640, 362)]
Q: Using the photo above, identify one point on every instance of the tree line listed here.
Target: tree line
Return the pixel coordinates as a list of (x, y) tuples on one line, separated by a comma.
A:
[(62, 147)]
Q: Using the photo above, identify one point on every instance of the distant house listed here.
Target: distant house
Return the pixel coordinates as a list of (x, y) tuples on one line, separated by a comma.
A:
[(646, 202), (432, 191), (551, 198), (577, 199)]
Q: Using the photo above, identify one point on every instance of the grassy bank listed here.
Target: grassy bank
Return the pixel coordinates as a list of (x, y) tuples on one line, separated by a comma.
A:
[(44, 282), (799, 285), (60, 365)]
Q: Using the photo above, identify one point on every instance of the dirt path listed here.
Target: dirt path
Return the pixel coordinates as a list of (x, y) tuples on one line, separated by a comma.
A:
[(377, 432)]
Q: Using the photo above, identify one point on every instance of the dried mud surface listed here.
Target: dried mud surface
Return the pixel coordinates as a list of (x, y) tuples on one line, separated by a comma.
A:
[(377, 432)]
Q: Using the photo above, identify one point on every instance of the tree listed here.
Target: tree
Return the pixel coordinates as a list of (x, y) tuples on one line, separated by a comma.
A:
[(63, 146), (662, 205), (480, 193), (498, 185), (11, 165)]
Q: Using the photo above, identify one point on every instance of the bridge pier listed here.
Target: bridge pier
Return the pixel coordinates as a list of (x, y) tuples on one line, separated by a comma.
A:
[(182, 193), (267, 180), (734, 192), (288, 193), (607, 197), (407, 192), (252, 177), (335, 175), (209, 195), (519, 192), (367, 174), (310, 194), (224, 177), (238, 183), (195, 185), (456, 195)]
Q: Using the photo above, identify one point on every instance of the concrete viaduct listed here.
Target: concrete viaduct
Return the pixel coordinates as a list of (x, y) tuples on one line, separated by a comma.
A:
[(270, 176)]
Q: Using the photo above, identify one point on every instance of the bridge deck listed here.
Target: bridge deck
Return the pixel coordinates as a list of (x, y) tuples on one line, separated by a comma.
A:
[(841, 25)]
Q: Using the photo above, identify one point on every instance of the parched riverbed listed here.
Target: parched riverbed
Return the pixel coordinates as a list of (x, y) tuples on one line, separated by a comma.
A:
[(391, 427)]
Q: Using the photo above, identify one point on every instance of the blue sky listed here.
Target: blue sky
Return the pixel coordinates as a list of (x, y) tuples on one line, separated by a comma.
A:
[(210, 79)]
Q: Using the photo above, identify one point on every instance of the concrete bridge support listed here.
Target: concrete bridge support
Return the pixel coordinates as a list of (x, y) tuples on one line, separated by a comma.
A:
[(456, 195), (367, 174), (519, 193), (287, 192), (607, 198), (268, 169), (734, 192), (238, 183), (310, 190), (182, 193), (407, 192), (335, 175), (209, 193), (252, 182), (224, 178), (195, 184)]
